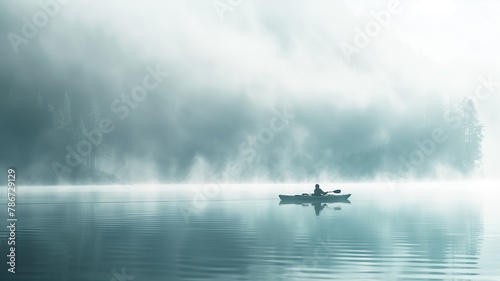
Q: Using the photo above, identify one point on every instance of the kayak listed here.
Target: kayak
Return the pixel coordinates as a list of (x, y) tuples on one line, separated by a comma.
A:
[(314, 199)]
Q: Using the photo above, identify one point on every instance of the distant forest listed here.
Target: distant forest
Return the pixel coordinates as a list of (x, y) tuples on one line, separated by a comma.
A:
[(398, 159), (460, 152), (70, 128)]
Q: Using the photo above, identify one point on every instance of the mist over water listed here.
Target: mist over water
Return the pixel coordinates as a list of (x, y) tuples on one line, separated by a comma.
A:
[(415, 232)]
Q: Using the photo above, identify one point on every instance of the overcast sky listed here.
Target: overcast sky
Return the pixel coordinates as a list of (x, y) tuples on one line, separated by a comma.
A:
[(231, 69)]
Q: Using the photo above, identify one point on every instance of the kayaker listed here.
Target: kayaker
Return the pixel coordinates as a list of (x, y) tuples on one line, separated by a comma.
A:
[(318, 191)]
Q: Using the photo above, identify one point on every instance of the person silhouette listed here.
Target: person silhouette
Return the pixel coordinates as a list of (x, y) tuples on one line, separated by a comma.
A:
[(318, 191)]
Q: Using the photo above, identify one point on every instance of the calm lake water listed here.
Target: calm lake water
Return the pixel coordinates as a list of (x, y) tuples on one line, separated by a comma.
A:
[(145, 233)]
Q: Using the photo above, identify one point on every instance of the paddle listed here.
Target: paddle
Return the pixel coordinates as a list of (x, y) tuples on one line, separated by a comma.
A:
[(335, 191)]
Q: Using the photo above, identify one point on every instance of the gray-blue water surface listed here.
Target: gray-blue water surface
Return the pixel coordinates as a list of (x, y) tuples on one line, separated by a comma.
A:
[(420, 231)]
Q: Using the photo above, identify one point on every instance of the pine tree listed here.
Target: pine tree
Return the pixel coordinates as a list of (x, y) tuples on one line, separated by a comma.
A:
[(472, 131), (95, 122)]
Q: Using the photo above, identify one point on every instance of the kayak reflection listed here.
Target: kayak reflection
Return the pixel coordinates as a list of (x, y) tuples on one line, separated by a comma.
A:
[(318, 206)]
